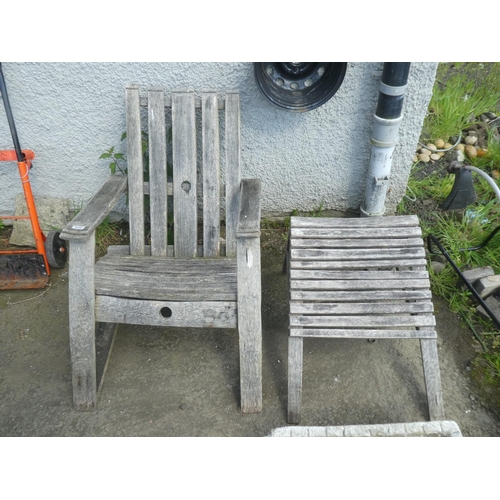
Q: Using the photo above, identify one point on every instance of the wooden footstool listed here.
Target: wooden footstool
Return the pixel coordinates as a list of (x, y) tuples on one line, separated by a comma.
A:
[(362, 278)]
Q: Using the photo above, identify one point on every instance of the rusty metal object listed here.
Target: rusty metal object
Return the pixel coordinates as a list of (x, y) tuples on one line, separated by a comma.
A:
[(22, 272)]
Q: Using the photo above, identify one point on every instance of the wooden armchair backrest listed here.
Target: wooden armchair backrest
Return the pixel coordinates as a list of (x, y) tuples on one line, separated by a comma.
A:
[(182, 154)]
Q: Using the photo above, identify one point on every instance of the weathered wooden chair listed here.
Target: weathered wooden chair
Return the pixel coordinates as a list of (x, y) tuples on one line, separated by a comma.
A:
[(361, 278), (184, 284)]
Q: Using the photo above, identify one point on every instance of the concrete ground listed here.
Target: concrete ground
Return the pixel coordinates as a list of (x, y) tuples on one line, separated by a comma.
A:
[(185, 382)]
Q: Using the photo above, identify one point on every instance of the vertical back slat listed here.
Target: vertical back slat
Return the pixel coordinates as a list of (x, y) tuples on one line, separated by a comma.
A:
[(135, 172), (157, 172), (184, 162), (211, 174), (233, 169)]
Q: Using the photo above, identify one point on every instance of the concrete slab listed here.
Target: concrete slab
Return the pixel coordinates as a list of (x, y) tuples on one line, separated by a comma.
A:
[(473, 275), (414, 429), (493, 305), (487, 286), (53, 215)]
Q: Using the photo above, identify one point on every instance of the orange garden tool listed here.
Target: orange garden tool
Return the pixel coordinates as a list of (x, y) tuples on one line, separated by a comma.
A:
[(21, 269)]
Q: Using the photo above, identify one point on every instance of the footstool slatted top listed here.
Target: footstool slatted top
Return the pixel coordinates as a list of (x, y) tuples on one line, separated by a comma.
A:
[(359, 278)]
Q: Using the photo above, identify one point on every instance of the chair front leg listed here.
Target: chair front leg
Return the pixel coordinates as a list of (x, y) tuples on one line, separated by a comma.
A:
[(250, 323), (82, 322)]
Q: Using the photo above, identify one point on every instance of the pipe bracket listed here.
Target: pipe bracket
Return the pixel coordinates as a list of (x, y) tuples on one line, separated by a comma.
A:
[(393, 91), (381, 181)]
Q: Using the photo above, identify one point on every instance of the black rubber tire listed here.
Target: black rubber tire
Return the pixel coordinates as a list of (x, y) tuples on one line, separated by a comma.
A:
[(56, 250)]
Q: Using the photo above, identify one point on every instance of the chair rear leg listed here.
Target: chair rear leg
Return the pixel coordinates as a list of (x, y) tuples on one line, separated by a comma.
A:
[(295, 356), (82, 323), (432, 377)]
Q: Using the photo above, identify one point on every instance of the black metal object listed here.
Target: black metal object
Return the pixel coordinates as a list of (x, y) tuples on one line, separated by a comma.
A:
[(10, 117), (432, 239), (462, 193), (299, 86)]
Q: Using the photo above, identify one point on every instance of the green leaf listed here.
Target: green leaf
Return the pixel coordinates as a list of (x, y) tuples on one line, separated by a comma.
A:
[(123, 136), (104, 155), (119, 156), (111, 150), (112, 167)]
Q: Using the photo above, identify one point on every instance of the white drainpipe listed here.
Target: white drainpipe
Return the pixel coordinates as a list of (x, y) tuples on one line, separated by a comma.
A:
[(385, 136)]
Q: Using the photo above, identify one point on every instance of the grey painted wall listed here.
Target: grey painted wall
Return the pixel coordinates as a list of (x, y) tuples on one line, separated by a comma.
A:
[(69, 113)]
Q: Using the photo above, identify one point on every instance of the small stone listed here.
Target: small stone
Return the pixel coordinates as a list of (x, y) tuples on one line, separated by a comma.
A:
[(471, 151), (470, 140), (447, 145), (415, 159), (441, 154), (494, 174), (439, 143), (423, 157), (435, 156), (439, 258), (454, 155), (437, 267), (454, 139), (460, 147), (431, 147), (425, 152), (482, 152)]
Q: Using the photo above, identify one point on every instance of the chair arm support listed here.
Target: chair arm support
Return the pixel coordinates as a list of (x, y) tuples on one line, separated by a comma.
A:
[(249, 213), (84, 224)]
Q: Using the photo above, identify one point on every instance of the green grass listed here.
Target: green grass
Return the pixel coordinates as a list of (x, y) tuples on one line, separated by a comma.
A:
[(436, 186), (461, 90), (105, 235)]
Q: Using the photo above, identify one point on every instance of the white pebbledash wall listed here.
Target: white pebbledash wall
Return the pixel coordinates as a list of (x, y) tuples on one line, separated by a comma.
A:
[(70, 113)]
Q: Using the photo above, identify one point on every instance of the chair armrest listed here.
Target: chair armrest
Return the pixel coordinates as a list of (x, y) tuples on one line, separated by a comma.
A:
[(249, 213), (85, 222)]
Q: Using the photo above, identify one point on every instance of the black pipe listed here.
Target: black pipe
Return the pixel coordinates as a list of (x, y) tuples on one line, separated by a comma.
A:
[(390, 105), (10, 117)]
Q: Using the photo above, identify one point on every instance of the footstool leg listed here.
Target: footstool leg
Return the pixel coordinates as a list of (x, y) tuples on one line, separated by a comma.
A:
[(432, 378), (295, 349)]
